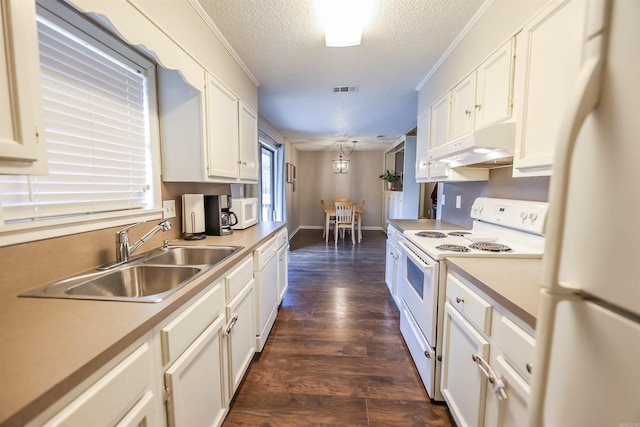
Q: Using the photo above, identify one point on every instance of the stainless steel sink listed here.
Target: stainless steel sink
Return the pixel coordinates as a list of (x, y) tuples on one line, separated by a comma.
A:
[(150, 278), (135, 281), (138, 283), (191, 255)]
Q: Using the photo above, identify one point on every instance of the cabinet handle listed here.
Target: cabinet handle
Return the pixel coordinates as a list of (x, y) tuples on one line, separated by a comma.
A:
[(478, 106), (529, 367), (467, 112), (427, 354), (459, 300), (496, 383), (232, 322)]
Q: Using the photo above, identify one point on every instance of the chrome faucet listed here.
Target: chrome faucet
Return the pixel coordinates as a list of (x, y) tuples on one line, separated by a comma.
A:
[(123, 250)]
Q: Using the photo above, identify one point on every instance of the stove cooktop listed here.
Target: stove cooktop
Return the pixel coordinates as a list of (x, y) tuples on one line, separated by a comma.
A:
[(475, 243)]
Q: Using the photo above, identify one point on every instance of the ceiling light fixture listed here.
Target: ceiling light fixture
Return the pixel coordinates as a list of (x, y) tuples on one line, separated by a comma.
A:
[(341, 166), (343, 20)]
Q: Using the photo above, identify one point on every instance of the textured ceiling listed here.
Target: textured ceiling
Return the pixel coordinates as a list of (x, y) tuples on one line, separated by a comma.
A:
[(282, 44)]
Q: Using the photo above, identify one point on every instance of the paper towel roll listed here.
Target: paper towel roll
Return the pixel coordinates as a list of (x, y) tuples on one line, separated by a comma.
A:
[(192, 213)]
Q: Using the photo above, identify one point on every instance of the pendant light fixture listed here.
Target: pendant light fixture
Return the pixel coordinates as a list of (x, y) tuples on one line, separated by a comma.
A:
[(341, 166)]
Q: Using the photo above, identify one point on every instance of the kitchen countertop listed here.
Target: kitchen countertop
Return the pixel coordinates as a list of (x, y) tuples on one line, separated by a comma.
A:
[(423, 224), (514, 283), (49, 345)]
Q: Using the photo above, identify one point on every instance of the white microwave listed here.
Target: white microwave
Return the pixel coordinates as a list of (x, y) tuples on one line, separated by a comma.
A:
[(246, 210)]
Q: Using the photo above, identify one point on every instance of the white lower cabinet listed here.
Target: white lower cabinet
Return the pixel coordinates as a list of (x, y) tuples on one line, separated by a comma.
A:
[(124, 396), (241, 334), (265, 290), (195, 382), (463, 384), (486, 359), (193, 345), (282, 239)]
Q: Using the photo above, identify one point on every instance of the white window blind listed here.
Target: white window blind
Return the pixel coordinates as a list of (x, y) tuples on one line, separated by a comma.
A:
[(96, 130)]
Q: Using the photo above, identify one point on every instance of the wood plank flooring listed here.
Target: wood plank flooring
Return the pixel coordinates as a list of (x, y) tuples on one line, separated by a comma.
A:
[(335, 356)]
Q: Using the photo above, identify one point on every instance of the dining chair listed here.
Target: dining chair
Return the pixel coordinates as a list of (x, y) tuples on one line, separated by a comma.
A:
[(345, 219), (340, 199), (359, 220), (332, 219)]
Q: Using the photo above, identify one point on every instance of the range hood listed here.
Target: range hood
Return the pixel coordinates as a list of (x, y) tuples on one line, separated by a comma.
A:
[(490, 146)]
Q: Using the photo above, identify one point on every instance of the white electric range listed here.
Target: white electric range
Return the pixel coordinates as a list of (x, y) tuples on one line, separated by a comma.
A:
[(501, 228)]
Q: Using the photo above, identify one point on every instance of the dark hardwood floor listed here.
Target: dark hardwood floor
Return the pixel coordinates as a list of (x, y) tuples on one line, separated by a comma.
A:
[(335, 356)]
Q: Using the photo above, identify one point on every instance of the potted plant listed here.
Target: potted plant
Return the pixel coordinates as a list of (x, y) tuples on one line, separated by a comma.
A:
[(390, 177)]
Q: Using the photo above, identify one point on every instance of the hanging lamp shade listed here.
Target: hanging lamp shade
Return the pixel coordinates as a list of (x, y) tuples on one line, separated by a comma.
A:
[(341, 165)]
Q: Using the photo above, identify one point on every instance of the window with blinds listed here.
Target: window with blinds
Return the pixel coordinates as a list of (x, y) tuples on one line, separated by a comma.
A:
[(96, 114)]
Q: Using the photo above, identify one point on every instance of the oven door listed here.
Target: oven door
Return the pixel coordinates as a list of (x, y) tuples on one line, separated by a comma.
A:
[(418, 288)]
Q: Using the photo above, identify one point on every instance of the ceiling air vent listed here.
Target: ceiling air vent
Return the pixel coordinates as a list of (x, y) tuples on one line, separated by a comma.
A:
[(345, 89)]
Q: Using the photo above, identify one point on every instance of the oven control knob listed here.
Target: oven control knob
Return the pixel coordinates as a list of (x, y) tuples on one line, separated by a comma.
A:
[(533, 216), (523, 216)]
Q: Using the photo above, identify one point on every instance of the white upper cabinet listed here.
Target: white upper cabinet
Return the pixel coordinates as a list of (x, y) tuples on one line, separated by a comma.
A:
[(549, 60), (463, 106), (208, 134), (222, 131), (494, 87), (248, 142), (22, 143), (439, 122)]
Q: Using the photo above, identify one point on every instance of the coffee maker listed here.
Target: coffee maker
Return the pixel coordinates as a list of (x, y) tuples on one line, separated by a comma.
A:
[(217, 215)]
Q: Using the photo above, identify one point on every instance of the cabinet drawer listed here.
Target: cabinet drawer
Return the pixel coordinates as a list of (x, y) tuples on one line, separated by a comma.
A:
[(282, 238), (239, 277), (516, 345), (184, 329), (472, 306)]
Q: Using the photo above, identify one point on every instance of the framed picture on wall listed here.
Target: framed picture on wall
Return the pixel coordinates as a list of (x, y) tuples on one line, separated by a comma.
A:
[(291, 173)]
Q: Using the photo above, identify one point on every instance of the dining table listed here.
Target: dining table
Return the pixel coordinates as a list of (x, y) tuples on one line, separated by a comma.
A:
[(331, 211)]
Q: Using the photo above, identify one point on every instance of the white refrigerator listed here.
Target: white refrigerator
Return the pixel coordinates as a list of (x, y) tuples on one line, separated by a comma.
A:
[(587, 364)]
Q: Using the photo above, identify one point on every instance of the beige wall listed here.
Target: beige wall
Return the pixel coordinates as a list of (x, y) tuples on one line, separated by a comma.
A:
[(317, 181)]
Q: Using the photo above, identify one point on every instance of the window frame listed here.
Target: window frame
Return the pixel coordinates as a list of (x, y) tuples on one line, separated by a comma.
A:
[(27, 231)]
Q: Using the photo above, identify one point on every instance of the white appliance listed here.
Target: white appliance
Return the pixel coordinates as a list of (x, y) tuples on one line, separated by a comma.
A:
[(246, 209), (587, 365), (193, 224), (501, 228)]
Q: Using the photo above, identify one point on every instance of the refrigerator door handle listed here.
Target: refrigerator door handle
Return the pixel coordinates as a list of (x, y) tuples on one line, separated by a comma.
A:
[(584, 98)]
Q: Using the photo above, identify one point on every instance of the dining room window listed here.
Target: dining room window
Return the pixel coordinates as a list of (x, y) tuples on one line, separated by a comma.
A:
[(97, 93)]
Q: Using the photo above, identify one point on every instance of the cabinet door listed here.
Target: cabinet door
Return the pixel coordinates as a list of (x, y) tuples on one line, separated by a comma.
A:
[(116, 396), (463, 384), (462, 107), (22, 143), (549, 60), (196, 381), (248, 143), (512, 411), (494, 87), (241, 333), (439, 122), (222, 131), (422, 159), (390, 267), (283, 272)]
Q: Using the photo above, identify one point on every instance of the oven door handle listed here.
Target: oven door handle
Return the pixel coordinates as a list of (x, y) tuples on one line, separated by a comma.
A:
[(415, 259)]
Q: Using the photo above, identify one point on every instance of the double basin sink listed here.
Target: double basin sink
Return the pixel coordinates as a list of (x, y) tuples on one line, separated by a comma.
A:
[(148, 278)]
